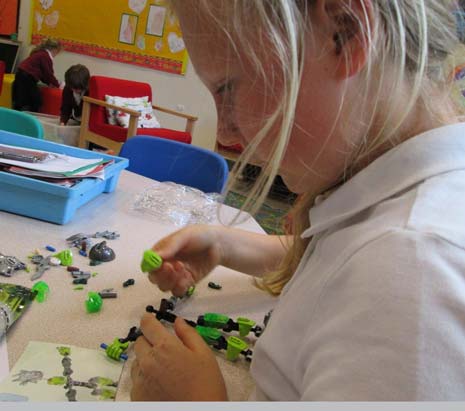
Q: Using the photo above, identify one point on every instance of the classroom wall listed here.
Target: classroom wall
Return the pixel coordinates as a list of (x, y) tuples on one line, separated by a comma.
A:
[(175, 92)]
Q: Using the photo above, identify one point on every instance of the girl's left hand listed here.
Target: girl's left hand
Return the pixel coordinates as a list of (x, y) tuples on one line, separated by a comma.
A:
[(177, 367)]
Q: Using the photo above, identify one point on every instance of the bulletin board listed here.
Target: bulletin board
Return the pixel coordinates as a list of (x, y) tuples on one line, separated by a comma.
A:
[(140, 32), (8, 17)]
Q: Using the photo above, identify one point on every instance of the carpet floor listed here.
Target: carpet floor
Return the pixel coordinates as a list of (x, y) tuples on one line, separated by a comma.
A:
[(270, 218)]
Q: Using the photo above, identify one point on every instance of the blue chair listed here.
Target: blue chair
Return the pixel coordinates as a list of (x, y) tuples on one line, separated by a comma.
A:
[(169, 160), (20, 123)]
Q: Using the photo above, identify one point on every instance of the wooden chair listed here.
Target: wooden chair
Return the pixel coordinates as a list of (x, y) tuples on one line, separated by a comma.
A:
[(95, 128)]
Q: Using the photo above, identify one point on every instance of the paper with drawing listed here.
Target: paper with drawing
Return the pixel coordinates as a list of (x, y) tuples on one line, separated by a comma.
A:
[(54, 372)]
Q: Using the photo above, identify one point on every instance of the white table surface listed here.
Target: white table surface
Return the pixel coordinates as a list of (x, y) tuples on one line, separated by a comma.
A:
[(63, 318)]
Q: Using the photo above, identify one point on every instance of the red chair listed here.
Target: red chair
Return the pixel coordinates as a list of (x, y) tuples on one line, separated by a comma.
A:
[(2, 72), (229, 152), (94, 125), (51, 100)]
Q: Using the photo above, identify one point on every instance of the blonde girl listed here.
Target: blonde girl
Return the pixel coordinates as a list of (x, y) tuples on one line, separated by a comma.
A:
[(348, 100)]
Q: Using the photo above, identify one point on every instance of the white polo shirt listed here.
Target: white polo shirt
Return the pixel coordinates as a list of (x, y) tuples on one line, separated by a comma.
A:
[(376, 308)]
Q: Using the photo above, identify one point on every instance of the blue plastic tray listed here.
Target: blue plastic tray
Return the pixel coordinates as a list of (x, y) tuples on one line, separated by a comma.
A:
[(47, 201)]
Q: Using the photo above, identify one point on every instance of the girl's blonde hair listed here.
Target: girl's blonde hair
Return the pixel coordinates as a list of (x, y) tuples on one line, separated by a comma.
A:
[(47, 44), (409, 40)]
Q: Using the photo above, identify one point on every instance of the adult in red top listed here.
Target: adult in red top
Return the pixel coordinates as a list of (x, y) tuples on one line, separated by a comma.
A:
[(37, 67)]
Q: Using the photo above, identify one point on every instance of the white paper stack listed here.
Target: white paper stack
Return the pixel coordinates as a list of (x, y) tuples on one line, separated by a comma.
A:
[(57, 168)]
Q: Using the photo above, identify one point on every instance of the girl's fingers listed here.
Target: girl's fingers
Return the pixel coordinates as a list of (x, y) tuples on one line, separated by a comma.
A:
[(153, 331)]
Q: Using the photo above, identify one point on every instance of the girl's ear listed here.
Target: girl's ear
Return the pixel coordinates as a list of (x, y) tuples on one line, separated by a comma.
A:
[(350, 25)]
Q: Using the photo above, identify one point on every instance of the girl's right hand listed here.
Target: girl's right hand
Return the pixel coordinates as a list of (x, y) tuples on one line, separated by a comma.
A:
[(188, 255)]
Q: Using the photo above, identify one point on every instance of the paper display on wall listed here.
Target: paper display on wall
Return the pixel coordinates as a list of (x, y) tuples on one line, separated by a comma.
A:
[(132, 31)]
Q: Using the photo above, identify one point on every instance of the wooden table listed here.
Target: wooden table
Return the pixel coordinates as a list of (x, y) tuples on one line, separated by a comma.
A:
[(63, 318)]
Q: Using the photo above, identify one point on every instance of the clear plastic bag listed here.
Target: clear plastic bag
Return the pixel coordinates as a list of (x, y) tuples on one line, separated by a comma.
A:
[(178, 204)]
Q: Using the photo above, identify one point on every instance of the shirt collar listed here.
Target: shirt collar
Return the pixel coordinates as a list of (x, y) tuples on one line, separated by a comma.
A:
[(49, 53), (431, 153)]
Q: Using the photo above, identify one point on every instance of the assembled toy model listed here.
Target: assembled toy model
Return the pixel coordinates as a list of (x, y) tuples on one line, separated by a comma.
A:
[(9, 264), (208, 326)]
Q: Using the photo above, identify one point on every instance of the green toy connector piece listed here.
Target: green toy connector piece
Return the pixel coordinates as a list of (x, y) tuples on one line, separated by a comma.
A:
[(209, 335), (65, 257), (64, 351), (78, 288), (151, 261), (235, 347), (116, 348), (215, 320), (41, 288), (56, 381), (104, 381), (107, 394), (190, 291), (94, 302), (245, 325)]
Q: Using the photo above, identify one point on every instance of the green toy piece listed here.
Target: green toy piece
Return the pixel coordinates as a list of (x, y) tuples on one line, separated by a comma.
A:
[(215, 320), (64, 351), (116, 348), (94, 302), (56, 381), (245, 325), (235, 347), (190, 291), (209, 335), (42, 290), (151, 261), (106, 394), (78, 288), (65, 257), (104, 381)]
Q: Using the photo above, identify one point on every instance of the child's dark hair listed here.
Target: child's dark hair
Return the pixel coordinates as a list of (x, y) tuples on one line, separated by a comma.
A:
[(77, 77)]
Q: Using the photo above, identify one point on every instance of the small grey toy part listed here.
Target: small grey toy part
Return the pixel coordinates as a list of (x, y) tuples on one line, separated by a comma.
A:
[(101, 252), (109, 235), (80, 241), (10, 264), (43, 265), (80, 274), (108, 293)]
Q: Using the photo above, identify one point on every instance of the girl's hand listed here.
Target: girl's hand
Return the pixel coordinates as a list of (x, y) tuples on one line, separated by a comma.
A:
[(177, 367), (188, 255)]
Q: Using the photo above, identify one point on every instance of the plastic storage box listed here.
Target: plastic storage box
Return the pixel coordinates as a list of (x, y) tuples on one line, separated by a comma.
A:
[(47, 201), (68, 135)]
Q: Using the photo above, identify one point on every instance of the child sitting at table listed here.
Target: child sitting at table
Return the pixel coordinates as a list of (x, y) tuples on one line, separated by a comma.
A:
[(76, 87), (37, 67), (349, 101)]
